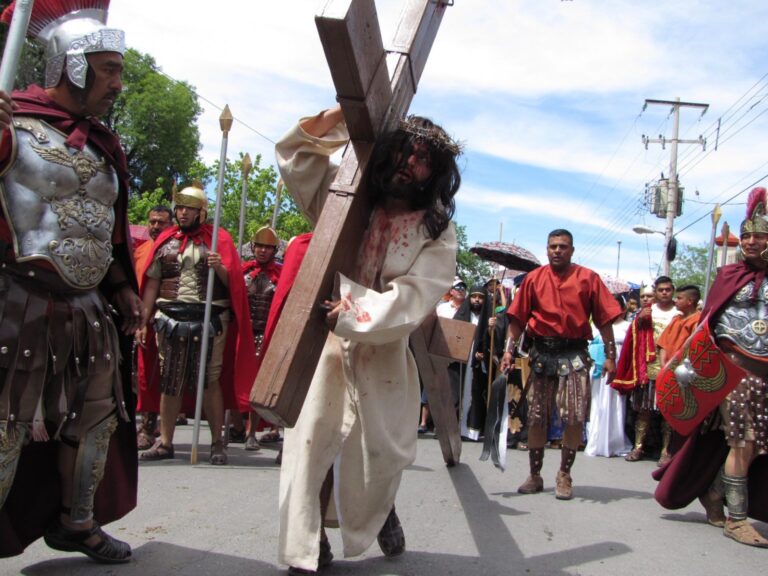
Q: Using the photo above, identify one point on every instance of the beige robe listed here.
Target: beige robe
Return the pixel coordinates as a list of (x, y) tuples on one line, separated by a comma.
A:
[(362, 409)]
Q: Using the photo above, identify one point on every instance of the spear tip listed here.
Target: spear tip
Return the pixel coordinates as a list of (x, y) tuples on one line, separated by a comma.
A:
[(226, 119)]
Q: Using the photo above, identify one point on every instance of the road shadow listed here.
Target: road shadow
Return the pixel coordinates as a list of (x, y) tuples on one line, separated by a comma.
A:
[(157, 559), (498, 551), (589, 494)]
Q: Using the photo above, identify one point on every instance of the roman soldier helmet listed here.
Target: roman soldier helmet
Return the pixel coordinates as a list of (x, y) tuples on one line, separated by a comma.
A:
[(192, 197), (267, 236), (70, 29), (756, 221)]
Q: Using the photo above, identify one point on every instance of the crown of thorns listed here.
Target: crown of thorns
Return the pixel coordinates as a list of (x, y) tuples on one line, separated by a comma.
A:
[(434, 135)]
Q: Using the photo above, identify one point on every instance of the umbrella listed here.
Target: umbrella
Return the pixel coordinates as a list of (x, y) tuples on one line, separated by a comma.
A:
[(139, 234), (616, 285), (508, 255)]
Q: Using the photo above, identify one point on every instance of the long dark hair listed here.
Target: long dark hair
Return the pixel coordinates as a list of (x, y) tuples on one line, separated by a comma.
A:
[(437, 193)]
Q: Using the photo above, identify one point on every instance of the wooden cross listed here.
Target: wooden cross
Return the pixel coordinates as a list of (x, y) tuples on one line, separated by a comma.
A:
[(372, 104)]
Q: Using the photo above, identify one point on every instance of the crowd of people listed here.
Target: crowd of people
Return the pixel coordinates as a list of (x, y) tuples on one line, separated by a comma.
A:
[(75, 300)]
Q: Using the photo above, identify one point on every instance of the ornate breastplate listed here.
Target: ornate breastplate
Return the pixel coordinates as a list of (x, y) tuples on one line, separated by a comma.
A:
[(59, 203), (260, 291), (744, 321)]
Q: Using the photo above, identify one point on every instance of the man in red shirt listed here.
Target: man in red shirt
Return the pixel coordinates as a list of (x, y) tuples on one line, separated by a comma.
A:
[(554, 306)]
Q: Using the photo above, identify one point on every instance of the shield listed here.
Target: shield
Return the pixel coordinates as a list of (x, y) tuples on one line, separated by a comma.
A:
[(695, 381), (508, 255)]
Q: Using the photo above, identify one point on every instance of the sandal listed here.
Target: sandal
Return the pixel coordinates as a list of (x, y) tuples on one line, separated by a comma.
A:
[(252, 444), (143, 440), (108, 550), (271, 437), (391, 537), (218, 455), (158, 451)]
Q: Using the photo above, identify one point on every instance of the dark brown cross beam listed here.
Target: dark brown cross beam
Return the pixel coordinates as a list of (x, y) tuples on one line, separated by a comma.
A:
[(372, 104)]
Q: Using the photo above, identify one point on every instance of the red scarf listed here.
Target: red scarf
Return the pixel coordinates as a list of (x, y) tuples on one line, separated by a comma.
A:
[(203, 234)]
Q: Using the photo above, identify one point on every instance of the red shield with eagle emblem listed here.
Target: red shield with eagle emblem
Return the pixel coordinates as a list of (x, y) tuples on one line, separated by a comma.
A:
[(696, 380)]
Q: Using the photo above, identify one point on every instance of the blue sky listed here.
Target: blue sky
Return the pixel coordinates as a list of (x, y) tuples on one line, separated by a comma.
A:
[(547, 96)]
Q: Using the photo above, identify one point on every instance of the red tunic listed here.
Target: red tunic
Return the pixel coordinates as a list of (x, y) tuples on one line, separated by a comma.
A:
[(561, 306)]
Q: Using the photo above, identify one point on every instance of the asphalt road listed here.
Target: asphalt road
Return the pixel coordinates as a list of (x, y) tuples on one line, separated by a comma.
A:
[(466, 520)]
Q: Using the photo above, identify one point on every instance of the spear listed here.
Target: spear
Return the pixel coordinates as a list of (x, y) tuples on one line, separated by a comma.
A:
[(276, 211), (14, 43), (246, 168), (716, 213), (225, 121)]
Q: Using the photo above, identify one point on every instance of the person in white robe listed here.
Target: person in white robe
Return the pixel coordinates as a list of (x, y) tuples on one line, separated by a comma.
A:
[(605, 429), (360, 413)]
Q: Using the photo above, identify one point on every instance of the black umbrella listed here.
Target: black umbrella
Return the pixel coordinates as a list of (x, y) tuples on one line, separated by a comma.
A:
[(508, 255)]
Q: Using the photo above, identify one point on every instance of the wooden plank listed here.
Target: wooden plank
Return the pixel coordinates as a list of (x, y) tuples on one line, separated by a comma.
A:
[(434, 377), (451, 339), (347, 31)]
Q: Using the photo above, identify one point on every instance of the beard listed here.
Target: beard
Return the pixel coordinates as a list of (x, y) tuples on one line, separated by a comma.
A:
[(190, 227), (414, 193), (476, 307)]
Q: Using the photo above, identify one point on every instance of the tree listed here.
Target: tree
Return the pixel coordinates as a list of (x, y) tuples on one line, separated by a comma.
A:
[(690, 266), (469, 266), (260, 200), (156, 119), (140, 205)]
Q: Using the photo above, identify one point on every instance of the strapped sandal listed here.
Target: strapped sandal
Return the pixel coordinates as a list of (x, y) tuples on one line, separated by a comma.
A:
[(218, 455), (391, 537), (271, 438), (108, 550), (143, 440), (159, 451)]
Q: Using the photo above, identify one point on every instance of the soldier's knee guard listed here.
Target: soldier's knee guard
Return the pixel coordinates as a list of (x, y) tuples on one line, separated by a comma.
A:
[(89, 467)]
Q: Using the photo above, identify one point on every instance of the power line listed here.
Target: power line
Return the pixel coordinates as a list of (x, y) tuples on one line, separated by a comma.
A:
[(220, 108)]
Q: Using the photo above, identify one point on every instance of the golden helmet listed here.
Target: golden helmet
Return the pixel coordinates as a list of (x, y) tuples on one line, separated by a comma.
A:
[(192, 197), (265, 235)]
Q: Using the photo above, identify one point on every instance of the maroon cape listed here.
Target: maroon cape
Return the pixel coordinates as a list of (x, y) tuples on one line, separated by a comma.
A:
[(239, 368), (698, 460), (34, 500)]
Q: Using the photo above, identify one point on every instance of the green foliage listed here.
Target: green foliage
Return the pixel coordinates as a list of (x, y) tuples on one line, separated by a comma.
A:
[(139, 205), (470, 267), (155, 118), (690, 266), (260, 199)]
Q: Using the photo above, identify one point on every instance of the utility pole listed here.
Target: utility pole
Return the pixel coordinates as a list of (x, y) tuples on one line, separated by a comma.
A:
[(618, 258), (672, 195)]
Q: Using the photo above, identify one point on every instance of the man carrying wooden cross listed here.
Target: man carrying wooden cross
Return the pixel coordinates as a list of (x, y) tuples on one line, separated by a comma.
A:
[(356, 428)]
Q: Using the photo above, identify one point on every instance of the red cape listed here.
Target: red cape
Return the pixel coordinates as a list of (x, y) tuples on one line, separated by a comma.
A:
[(272, 269), (34, 500), (239, 368)]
